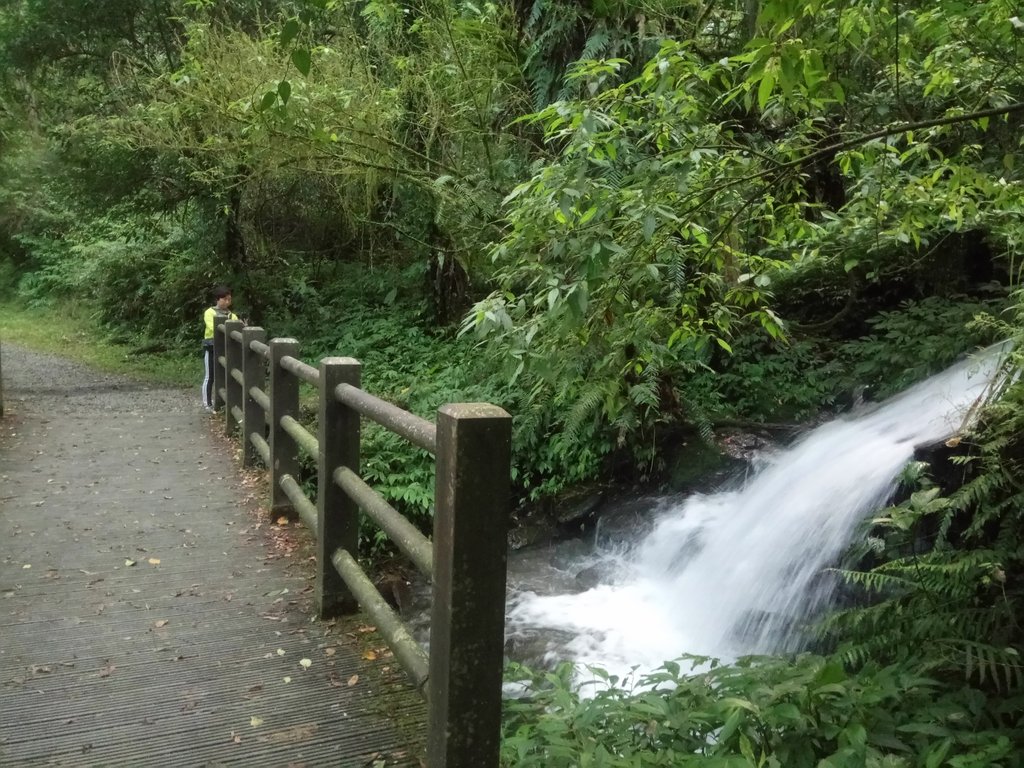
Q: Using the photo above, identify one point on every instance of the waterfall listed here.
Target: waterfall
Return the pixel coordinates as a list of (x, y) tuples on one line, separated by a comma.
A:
[(735, 572)]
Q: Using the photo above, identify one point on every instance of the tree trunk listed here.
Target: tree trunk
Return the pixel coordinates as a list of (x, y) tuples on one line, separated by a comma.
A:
[(750, 13)]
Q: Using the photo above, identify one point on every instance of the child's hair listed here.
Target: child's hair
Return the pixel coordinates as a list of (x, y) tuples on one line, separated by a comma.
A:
[(220, 291)]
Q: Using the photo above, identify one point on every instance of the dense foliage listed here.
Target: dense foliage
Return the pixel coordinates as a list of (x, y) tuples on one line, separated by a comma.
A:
[(628, 223), (804, 713)]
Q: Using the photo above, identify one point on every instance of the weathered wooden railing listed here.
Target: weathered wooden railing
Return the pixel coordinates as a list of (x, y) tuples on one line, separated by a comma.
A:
[(466, 560)]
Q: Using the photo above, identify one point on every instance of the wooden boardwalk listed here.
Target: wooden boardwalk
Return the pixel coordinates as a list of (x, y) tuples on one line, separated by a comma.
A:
[(148, 615)]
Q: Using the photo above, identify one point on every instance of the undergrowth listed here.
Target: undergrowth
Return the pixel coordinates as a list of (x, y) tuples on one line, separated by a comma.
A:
[(761, 712)]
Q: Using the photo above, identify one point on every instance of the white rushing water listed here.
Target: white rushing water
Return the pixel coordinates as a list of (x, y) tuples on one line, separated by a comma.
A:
[(731, 573)]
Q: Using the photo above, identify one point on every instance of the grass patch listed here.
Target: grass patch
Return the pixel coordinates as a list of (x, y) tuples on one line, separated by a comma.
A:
[(70, 331)]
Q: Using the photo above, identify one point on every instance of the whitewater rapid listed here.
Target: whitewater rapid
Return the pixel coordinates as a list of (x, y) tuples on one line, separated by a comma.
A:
[(736, 572)]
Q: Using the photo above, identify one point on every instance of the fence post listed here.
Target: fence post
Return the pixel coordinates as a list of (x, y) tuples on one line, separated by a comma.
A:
[(467, 626), (218, 369), (254, 373), (233, 362), (284, 401), (337, 514)]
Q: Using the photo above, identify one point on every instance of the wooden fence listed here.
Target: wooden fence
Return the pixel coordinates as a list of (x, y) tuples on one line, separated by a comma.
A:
[(466, 559)]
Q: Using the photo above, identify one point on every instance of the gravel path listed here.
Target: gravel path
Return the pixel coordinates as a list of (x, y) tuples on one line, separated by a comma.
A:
[(148, 615)]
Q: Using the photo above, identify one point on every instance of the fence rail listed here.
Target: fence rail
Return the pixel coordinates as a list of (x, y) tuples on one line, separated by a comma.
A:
[(257, 384)]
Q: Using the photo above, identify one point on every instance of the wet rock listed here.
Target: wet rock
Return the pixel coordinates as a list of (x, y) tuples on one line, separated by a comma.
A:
[(695, 464), (396, 590), (744, 446), (533, 647), (629, 518), (578, 506), (593, 576), (567, 515), (567, 553), (527, 533)]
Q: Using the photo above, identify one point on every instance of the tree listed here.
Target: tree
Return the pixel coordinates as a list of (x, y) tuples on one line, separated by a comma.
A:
[(671, 202)]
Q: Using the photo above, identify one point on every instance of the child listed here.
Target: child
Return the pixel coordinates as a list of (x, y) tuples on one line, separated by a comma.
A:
[(221, 308)]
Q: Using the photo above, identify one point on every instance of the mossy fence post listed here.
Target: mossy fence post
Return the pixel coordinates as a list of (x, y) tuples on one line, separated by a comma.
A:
[(284, 401), (337, 512), (233, 394), (219, 371), (254, 374), (467, 624)]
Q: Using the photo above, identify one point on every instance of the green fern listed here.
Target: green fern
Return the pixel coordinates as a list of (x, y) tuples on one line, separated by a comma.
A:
[(953, 610), (584, 410)]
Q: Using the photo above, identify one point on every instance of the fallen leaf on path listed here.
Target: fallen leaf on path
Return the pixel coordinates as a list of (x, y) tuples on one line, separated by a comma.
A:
[(353, 680), (330, 651), (154, 561), (370, 656), (26, 566), (280, 651), (129, 563), (161, 623), (236, 738), (287, 679), (255, 722), (306, 663), (107, 670)]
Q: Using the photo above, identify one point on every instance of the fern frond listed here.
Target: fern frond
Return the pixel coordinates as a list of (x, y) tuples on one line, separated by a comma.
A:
[(585, 409), (1001, 667), (875, 581)]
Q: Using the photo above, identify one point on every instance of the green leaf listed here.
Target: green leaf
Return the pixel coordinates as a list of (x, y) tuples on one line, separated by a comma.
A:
[(268, 100), (650, 224), (830, 674), (284, 90), (938, 753), (301, 59), (288, 32), (553, 295), (764, 90)]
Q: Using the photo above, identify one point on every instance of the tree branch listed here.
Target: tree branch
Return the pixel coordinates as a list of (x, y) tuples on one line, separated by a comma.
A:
[(892, 130)]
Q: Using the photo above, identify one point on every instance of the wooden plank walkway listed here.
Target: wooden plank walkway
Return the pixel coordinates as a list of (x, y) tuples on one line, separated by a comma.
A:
[(148, 615)]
